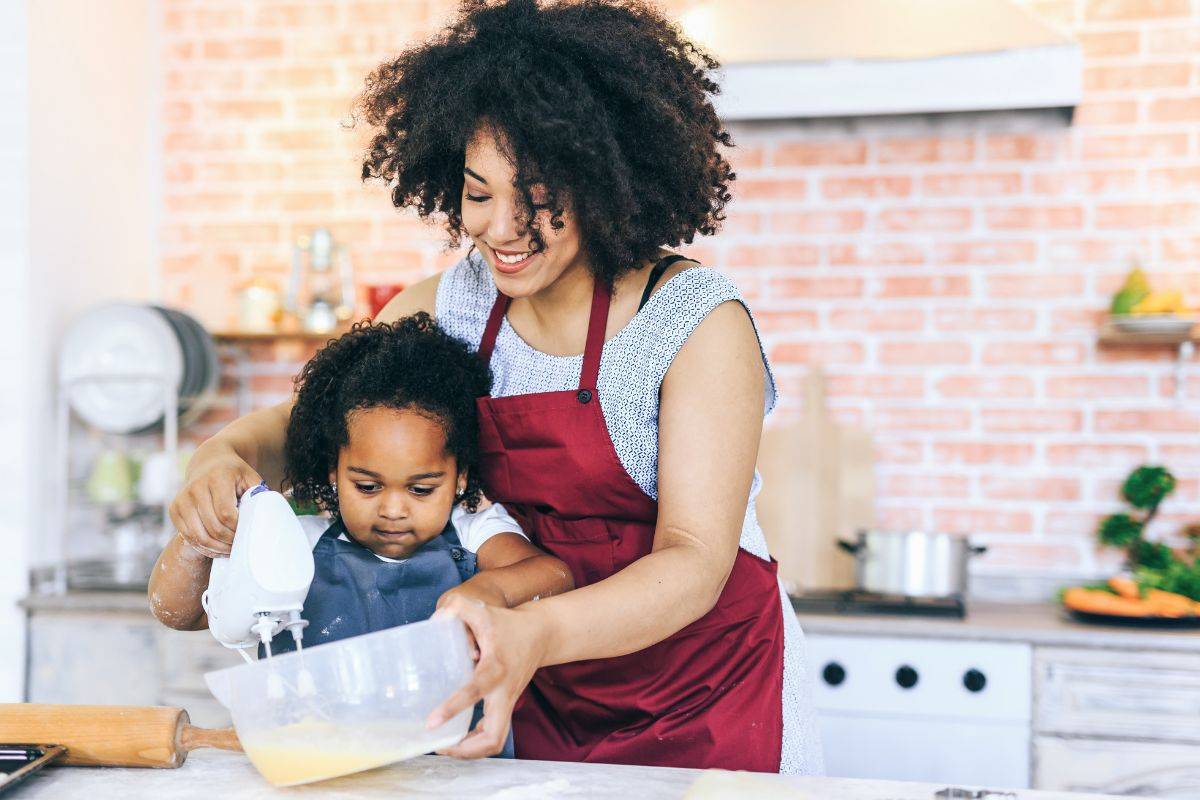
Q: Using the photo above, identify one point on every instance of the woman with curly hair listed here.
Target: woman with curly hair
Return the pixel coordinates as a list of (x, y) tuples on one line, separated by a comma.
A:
[(572, 143), (384, 436)]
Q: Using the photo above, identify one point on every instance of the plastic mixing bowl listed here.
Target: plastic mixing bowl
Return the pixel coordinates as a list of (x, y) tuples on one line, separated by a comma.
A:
[(350, 705)]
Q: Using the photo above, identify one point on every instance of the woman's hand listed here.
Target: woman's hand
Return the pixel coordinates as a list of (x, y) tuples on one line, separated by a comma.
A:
[(511, 644), (205, 510)]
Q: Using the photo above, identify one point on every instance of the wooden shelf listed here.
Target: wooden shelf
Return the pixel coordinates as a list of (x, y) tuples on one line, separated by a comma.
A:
[(1110, 335), (234, 337)]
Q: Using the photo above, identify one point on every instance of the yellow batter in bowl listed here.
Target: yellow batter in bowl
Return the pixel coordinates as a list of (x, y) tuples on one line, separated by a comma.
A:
[(311, 750)]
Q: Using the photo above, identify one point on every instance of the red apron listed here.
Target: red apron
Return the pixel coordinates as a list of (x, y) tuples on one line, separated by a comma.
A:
[(707, 696)]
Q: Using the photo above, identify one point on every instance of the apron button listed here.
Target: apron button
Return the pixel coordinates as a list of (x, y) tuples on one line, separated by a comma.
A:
[(456, 554), (584, 396)]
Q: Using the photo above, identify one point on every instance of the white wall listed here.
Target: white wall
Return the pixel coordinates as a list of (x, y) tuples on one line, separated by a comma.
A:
[(95, 177), (16, 404), (79, 199)]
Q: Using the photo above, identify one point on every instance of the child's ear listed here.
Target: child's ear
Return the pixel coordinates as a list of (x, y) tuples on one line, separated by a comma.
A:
[(462, 484)]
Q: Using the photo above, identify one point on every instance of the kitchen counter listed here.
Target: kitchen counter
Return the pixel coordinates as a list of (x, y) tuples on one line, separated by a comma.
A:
[(99, 602), (1036, 623), (229, 776)]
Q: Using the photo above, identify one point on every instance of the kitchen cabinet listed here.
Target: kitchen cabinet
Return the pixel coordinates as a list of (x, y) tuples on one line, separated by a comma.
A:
[(1114, 766), (1118, 721), (1119, 694), (92, 658), (106, 649)]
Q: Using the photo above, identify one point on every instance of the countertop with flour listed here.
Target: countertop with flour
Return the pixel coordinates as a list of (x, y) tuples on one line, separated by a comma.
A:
[(229, 776)]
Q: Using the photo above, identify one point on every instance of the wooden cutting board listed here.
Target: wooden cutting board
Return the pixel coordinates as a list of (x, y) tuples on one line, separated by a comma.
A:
[(818, 485)]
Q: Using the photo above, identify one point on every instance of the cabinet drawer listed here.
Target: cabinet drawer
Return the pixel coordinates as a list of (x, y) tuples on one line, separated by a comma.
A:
[(185, 656), (1105, 766), (92, 658), (1118, 693)]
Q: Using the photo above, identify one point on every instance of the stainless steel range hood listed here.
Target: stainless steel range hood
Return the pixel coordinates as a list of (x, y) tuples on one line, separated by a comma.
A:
[(820, 58)]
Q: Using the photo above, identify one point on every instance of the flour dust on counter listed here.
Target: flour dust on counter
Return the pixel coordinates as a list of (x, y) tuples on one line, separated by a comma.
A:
[(719, 784), (229, 776)]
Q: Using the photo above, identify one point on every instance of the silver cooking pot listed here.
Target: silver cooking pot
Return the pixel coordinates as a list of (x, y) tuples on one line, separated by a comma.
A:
[(911, 563)]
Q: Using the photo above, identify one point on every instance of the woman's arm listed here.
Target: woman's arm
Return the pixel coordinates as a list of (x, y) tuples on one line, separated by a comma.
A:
[(178, 581), (249, 450), (511, 572), (710, 421), (235, 459)]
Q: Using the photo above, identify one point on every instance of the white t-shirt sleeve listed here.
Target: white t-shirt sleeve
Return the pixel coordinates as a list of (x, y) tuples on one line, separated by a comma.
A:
[(476, 528), (314, 525)]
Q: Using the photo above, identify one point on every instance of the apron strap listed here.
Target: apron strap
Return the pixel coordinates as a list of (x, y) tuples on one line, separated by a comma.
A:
[(336, 528), (488, 342), (597, 323)]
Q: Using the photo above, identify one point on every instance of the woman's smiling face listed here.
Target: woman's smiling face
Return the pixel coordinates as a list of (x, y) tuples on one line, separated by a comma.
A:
[(491, 214)]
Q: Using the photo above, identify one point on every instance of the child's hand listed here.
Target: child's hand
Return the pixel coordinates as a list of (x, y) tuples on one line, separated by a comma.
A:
[(474, 591)]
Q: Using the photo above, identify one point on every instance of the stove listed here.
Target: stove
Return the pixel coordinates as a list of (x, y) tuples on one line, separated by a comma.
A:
[(923, 709), (855, 601)]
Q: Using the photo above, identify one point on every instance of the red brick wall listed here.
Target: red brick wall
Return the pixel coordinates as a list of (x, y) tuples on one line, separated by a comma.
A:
[(948, 272)]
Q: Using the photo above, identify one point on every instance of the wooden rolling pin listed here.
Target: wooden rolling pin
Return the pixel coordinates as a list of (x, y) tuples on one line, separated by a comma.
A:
[(111, 736)]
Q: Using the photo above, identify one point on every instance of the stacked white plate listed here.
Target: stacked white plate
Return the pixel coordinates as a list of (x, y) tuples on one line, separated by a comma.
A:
[(119, 360)]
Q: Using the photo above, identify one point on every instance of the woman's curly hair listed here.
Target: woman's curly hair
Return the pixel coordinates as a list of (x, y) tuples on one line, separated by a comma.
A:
[(605, 103), (411, 364)]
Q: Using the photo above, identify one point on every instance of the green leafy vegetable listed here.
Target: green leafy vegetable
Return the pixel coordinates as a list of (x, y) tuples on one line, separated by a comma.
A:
[(1154, 565), (1146, 487), (1119, 530)]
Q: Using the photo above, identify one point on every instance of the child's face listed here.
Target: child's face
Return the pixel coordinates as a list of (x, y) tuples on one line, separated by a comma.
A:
[(396, 483)]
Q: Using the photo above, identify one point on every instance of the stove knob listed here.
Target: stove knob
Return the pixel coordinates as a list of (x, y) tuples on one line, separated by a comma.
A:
[(974, 680), (834, 673), (907, 677)]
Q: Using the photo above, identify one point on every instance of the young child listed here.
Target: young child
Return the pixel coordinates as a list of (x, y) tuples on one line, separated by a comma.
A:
[(383, 436)]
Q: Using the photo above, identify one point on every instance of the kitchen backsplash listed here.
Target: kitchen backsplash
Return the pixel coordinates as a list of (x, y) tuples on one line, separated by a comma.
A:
[(948, 271)]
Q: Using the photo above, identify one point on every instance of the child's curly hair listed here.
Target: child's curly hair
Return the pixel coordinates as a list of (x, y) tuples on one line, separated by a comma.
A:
[(603, 102), (410, 364)]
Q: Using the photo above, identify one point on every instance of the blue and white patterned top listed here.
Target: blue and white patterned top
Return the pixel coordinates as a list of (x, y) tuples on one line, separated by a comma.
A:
[(633, 365)]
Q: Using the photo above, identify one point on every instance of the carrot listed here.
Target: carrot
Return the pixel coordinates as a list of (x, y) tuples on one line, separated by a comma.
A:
[(1098, 601), (1125, 587), (1169, 604)]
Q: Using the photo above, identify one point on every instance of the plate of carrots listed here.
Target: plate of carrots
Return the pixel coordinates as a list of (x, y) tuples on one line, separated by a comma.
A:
[(1121, 602)]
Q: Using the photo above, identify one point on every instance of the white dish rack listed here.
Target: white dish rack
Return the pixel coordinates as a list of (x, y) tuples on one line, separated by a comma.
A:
[(162, 366)]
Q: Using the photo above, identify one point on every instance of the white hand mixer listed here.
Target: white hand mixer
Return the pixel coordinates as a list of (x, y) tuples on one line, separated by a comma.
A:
[(259, 590)]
